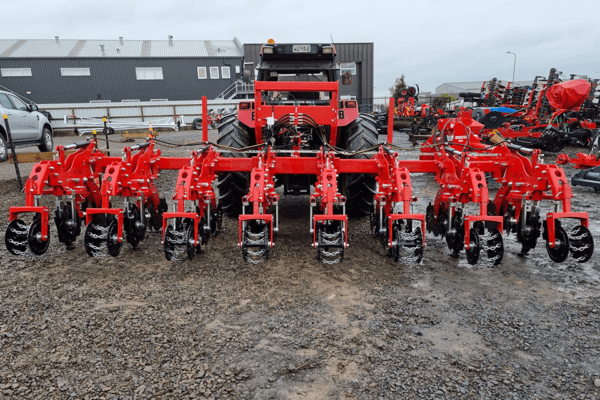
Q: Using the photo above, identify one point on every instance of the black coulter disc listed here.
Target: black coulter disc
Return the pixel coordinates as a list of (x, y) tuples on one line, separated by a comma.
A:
[(67, 232), (189, 239), (169, 245), (528, 237), (474, 247), (34, 238), (560, 251), (216, 220), (112, 241), (134, 231), (429, 219)]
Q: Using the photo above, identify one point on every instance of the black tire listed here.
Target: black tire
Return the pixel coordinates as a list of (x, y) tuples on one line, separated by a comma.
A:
[(226, 119), (368, 117), (197, 124), (478, 114), (382, 122), (233, 186), (47, 143), (359, 189), (3, 149)]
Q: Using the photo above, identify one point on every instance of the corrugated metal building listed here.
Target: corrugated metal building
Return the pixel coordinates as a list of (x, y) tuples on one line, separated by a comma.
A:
[(75, 71), (357, 58)]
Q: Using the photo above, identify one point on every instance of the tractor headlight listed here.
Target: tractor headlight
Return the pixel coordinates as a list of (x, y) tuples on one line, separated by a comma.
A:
[(267, 50), (327, 50)]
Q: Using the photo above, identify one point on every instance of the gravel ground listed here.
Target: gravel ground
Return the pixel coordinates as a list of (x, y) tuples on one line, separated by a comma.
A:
[(137, 326)]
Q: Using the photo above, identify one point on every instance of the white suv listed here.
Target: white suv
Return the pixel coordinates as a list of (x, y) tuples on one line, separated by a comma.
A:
[(28, 126)]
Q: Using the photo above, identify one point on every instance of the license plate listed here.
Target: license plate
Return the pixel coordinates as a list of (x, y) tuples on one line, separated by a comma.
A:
[(301, 48)]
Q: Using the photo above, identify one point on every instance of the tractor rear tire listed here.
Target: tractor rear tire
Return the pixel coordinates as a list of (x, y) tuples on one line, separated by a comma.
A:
[(233, 186), (359, 189), (368, 117)]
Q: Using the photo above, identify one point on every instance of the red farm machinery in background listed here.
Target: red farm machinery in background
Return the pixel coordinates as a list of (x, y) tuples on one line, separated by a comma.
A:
[(547, 115)]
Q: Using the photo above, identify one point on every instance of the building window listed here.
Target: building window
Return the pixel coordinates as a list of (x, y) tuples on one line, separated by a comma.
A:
[(225, 73), (75, 71), (201, 72), (6, 72), (237, 69), (214, 72), (149, 74), (349, 66)]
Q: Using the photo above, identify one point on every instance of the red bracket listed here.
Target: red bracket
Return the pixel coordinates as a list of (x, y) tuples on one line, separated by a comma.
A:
[(553, 216), (170, 215), (268, 218), (15, 211), (90, 212), (469, 219), (337, 217)]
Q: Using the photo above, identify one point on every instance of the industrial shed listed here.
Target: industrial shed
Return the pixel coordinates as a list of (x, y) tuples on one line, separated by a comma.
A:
[(454, 88), (81, 71), (355, 58)]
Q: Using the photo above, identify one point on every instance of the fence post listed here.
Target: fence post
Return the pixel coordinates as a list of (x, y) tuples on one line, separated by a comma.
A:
[(12, 149), (106, 135), (390, 135), (204, 120)]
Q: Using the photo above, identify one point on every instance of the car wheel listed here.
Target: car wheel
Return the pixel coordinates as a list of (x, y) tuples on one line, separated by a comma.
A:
[(47, 141), (3, 149)]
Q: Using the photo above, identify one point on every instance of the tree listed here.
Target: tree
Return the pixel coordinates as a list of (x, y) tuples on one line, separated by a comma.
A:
[(439, 102), (399, 84)]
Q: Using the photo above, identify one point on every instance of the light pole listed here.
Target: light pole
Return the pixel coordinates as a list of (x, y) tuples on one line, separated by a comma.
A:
[(514, 65)]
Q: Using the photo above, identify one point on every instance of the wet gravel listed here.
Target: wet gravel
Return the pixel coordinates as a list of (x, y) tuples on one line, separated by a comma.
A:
[(137, 326)]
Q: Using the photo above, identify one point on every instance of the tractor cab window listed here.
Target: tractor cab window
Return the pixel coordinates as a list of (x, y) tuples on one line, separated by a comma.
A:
[(297, 98)]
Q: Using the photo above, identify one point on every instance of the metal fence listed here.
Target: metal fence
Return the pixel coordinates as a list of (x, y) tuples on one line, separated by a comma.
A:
[(133, 111), (377, 104)]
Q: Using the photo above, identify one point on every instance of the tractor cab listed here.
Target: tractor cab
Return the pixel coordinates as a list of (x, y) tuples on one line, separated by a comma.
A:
[(303, 62), (316, 61)]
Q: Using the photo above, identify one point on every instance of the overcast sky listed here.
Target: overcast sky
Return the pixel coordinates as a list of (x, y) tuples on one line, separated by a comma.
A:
[(430, 41)]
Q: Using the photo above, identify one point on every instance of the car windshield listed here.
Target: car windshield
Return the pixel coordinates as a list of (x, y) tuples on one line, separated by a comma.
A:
[(4, 102)]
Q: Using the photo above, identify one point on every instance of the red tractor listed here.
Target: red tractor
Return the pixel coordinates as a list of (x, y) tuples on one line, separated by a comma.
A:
[(296, 118)]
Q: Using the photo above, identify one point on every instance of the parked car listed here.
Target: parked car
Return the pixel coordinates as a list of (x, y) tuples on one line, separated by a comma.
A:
[(28, 126)]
